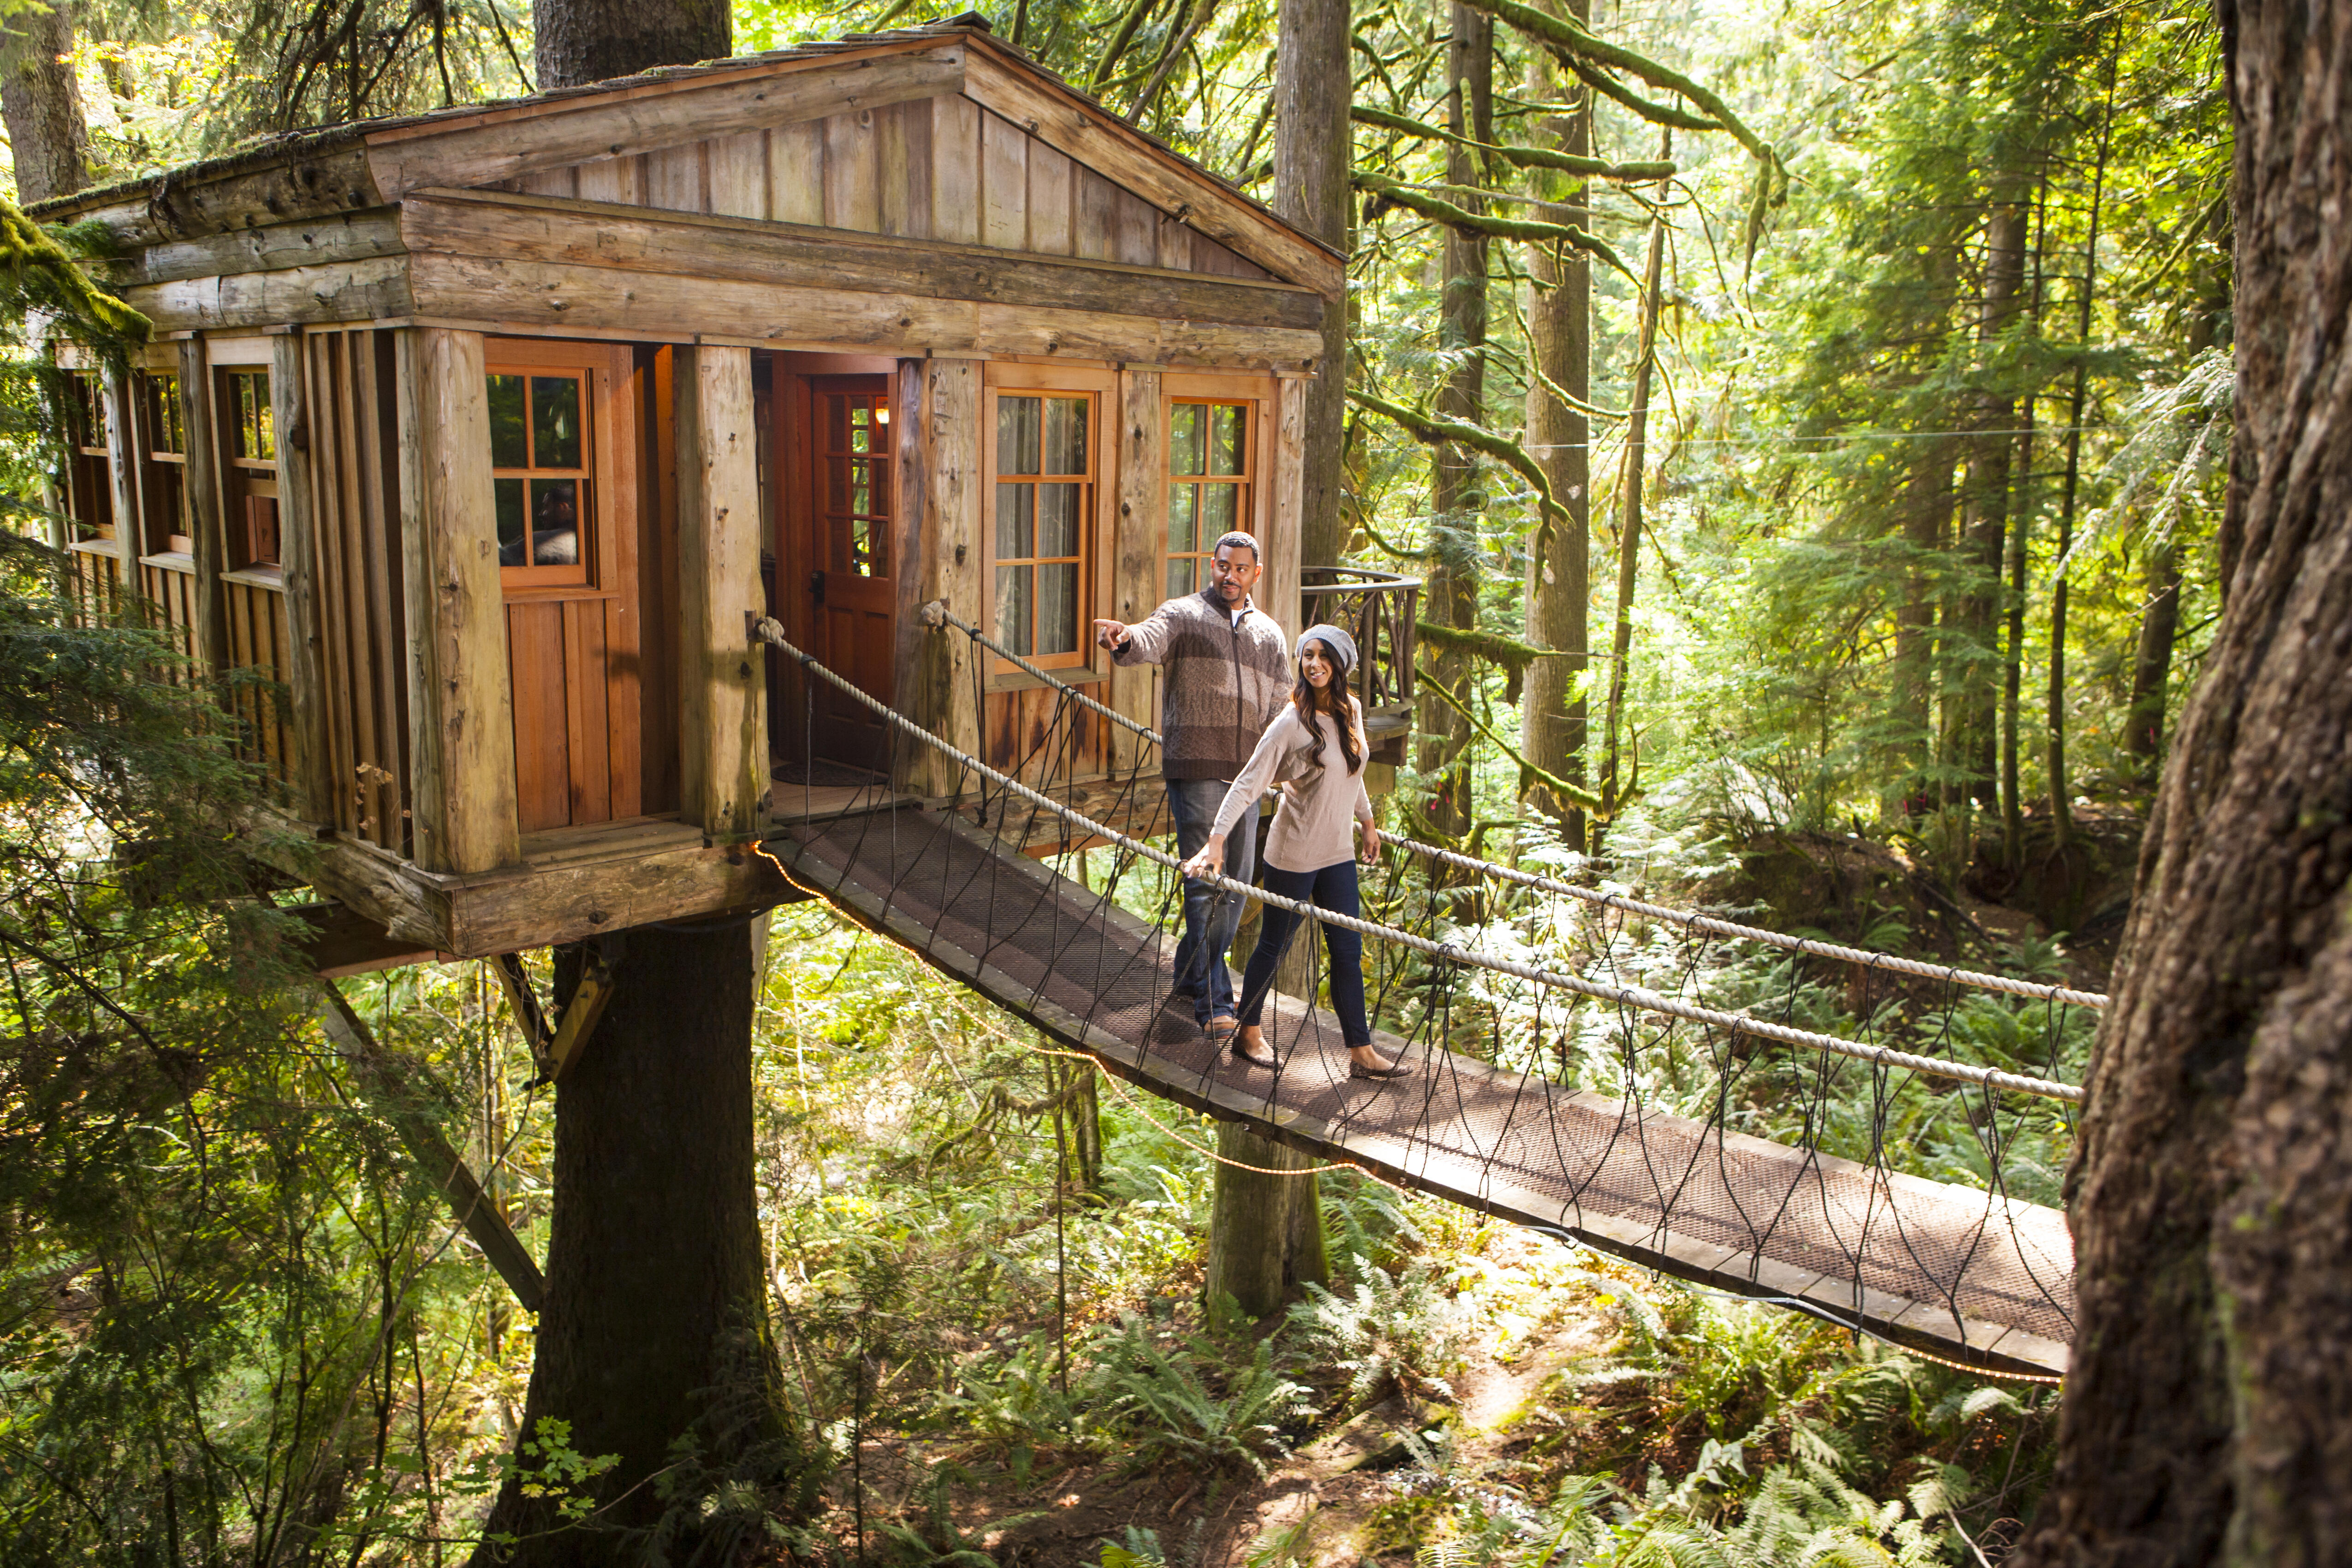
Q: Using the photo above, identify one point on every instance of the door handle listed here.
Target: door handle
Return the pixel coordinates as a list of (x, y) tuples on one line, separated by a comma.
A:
[(816, 587)]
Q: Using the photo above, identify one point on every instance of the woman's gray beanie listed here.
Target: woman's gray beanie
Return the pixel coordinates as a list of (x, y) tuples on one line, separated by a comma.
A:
[(1337, 641)]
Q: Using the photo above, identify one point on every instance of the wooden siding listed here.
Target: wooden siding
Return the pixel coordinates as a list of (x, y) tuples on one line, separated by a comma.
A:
[(937, 168), (169, 582), (361, 623)]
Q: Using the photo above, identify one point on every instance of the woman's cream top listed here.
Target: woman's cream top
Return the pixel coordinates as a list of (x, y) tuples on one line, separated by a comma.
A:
[(1315, 825)]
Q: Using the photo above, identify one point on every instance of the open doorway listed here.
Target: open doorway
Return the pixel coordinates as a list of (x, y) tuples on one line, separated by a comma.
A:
[(835, 578)]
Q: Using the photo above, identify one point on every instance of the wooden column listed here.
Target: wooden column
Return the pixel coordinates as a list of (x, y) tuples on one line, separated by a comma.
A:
[(204, 482), (460, 706), (298, 558), (1277, 594), (1137, 580), (939, 468), (722, 684)]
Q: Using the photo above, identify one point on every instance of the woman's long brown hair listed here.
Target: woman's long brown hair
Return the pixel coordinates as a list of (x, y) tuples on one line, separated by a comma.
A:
[(1342, 711)]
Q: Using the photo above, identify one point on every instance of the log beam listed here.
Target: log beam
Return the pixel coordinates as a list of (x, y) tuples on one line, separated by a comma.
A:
[(940, 469), (722, 688), (460, 705)]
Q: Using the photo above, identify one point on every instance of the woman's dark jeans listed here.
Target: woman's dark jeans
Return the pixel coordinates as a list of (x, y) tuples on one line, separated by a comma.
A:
[(1333, 887)]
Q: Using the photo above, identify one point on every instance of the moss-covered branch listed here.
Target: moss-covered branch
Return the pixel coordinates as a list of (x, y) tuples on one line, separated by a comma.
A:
[(36, 274), (1518, 157), (1437, 429), (1648, 109), (1530, 774), (1573, 43), (1395, 193)]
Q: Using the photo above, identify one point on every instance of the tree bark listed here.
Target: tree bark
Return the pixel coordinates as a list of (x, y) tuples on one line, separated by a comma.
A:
[(1926, 519), (41, 104), (1560, 580), (1613, 788), (2208, 1410), (2159, 624), (1452, 598), (655, 1318), (581, 41), (1972, 725), (1312, 88)]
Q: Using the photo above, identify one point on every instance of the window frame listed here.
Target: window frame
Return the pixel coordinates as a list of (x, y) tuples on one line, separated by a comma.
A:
[(1258, 393), (243, 476), (89, 480), (1246, 514), (601, 384), (154, 391), (1099, 387)]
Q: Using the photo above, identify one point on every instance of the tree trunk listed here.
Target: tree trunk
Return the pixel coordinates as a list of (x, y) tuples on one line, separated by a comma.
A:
[(1926, 518), (1559, 579), (1972, 726), (1629, 521), (2020, 556), (1452, 598), (581, 41), (2062, 804), (1312, 92), (41, 104), (2209, 1409), (656, 1319), (2152, 660)]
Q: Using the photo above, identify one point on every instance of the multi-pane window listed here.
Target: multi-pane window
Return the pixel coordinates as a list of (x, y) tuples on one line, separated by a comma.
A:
[(856, 483), (90, 489), (1208, 486), (1045, 495), (539, 456), (252, 468), (163, 476)]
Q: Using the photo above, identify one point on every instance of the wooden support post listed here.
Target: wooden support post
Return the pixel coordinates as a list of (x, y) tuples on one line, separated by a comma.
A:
[(384, 1078), (299, 556), (204, 482), (1277, 592), (523, 1002), (579, 1015), (1137, 580), (460, 705), (723, 686), (939, 462)]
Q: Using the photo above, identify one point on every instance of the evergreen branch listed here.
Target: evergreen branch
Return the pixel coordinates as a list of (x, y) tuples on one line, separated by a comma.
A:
[(1576, 46), (1396, 193), (1520, 157)]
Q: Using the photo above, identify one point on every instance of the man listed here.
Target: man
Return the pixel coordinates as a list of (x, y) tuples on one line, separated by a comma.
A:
[(1227, 669)]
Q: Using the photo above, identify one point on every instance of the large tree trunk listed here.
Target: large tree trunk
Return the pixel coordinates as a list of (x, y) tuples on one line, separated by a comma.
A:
[(41, 104), (655, 1319), (2159, 625), (1312, 90), (2209, 1409), (1452, 594), (1559, 584), (1927, 521), (594, 40)]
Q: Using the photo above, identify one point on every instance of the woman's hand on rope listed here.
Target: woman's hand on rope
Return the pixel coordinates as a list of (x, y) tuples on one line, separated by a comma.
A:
[(1368, 839), (1210, 861)]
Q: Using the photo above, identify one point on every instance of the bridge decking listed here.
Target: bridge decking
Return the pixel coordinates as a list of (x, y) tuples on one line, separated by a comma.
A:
[(1950, 1269)]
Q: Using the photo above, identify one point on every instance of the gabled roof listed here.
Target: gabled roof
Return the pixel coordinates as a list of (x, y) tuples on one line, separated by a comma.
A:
[(369, 163)]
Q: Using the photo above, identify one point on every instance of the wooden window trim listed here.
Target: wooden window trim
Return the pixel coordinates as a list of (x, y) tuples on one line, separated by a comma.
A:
[(159, 535), (1102, 388), (1262, 393), (239, 477), (606, 369)]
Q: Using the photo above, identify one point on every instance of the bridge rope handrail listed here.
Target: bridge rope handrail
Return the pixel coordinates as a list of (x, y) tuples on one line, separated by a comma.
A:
[(768, 629), (2032, 990)]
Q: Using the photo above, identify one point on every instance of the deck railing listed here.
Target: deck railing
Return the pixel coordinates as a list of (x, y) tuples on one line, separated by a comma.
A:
[(1376, 608)]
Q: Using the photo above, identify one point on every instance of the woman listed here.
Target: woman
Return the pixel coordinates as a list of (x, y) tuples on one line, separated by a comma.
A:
[(1307, 850)]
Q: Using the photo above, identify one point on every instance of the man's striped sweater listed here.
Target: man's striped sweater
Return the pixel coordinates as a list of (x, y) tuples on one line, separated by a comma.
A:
[(1221, 686)]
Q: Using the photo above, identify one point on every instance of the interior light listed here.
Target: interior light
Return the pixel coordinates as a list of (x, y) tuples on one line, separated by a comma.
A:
[(882, 414)]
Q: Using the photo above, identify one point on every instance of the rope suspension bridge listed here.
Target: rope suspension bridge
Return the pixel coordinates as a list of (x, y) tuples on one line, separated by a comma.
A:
[(1601, 1097)]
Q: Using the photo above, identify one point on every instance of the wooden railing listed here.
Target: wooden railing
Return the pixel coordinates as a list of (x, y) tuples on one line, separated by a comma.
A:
[(1377, 609)]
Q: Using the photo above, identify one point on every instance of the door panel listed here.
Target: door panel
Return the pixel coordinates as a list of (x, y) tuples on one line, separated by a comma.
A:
[(848, 485)]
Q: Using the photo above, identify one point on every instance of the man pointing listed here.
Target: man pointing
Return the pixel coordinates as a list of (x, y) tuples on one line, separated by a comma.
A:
[(1227, 674)]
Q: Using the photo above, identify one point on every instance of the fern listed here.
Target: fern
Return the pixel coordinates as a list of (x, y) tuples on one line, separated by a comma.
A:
[(1390, 1331), (1159, 1398)]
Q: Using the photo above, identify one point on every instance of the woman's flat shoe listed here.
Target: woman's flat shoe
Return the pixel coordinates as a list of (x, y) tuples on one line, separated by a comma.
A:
[(1242, 1055), (1358, 1069)]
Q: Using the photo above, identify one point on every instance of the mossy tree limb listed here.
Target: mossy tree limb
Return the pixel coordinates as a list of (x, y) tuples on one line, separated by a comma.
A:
[(1396, 193), (1519, 157), (1434, 428)]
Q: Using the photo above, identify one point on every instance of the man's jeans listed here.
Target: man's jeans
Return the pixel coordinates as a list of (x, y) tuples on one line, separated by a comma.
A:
[(1211, 918)]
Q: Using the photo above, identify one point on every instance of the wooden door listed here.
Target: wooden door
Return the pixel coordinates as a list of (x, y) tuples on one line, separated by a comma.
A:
[(845, 554)]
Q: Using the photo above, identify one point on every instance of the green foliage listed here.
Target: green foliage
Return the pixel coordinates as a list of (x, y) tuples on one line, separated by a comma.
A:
[(1160, 1400), (1388, 1332)]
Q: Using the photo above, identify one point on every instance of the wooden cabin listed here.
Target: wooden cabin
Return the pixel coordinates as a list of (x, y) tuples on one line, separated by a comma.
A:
[(474, 438)]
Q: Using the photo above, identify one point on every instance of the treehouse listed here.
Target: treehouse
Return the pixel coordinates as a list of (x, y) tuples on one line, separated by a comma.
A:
[(471, 442)]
